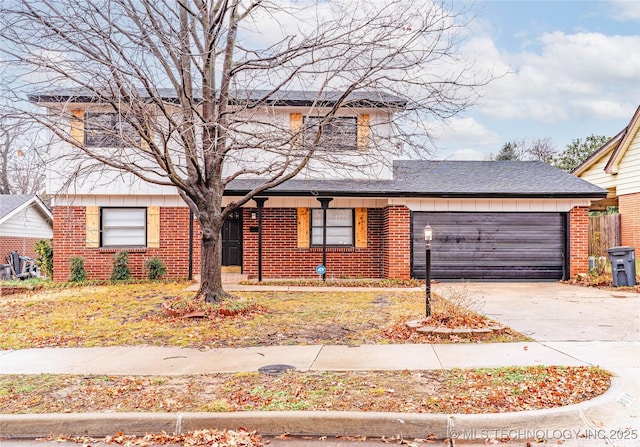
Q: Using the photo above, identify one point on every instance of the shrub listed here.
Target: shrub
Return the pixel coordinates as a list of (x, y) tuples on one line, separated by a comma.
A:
[(78, 272), (156, 269), (44, 248), (121, 270)]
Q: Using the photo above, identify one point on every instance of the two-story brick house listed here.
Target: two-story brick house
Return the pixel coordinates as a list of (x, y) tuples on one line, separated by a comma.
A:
[(492, 220)]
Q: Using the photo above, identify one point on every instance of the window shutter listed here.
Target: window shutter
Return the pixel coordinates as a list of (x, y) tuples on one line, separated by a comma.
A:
[(295, 122), (361, 228), (363, 132), (303, 227), (77, 126), (153, 227), (92, 226)]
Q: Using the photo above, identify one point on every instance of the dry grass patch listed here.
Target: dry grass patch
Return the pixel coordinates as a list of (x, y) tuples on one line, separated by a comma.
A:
[(132, 314), (444, 391)]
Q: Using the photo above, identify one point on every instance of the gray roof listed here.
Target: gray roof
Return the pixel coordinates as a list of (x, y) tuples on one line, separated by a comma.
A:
[(9, 202), (420, 178), (278, 98)]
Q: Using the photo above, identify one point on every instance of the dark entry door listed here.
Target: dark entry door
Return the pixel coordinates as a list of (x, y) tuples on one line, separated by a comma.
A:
[(232, 239)]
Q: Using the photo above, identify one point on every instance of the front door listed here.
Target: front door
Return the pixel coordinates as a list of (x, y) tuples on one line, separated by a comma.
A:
[(232, 239)]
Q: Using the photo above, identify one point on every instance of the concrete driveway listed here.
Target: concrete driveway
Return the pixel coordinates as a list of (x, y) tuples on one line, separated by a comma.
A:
[(557, 312)]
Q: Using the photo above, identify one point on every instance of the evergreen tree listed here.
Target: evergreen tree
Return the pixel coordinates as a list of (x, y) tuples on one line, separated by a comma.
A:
[(578, 151)]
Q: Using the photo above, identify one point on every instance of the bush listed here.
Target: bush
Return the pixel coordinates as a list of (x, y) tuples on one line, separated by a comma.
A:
[(121, 270), (44, 248), (156, 269), (78, 272)]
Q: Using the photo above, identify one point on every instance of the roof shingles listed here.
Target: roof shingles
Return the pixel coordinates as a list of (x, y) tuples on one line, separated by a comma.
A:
[(420, 178)]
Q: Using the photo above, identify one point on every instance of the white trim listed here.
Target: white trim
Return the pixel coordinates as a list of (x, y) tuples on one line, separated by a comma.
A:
[(28, 203), (492, 205)]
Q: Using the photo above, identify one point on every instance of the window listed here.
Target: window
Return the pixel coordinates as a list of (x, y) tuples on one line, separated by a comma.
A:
[(123, 227), (108, 129), (339, 227), (338, 133)]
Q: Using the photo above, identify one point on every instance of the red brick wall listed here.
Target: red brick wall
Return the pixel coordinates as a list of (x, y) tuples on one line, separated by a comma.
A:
[(578, 241), (281, 257), (69, 240), (629, 207), (397, 242), (23, 245)]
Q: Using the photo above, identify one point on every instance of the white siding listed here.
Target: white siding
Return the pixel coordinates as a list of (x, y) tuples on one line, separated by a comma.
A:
[(629, 172), (119, 200), (29, 222), (492, 205), (70, 172), (627, 180)]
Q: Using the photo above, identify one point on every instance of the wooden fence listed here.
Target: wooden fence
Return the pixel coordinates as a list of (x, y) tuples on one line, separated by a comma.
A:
[(604, 233)]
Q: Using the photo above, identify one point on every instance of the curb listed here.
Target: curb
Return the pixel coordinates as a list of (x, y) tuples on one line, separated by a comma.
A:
[(547, 423)]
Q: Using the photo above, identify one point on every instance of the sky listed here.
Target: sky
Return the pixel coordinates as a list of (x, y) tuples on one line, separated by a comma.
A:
[(572, 70)]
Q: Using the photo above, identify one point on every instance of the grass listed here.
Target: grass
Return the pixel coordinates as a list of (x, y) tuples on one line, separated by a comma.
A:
[(131, 314), (487, 390)]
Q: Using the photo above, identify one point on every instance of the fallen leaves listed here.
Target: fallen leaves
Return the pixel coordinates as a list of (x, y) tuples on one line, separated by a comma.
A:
[(444, 391), (132, 314), (211, 438)]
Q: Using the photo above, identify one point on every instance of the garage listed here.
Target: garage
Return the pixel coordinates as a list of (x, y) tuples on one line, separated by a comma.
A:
[(484, 246)]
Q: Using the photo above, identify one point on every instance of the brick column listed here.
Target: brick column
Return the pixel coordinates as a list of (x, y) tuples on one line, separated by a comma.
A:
[(396, 242), (578, 241)]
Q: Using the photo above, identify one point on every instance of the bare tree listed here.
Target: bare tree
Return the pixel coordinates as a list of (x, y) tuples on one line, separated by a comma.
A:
[(22, 169), (189, 78), (541, 149)]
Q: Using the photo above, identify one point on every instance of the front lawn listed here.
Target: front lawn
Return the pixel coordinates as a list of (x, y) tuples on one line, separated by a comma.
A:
[(132, 314)]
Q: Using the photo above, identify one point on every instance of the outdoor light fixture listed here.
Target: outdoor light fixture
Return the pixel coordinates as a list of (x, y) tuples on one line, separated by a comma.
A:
[(428, 234), (428, 237)]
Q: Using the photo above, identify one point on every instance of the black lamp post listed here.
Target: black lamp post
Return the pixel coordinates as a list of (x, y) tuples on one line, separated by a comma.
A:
[(428, 237)]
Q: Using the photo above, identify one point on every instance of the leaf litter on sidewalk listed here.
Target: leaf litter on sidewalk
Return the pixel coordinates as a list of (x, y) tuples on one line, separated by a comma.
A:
[(458, 391)]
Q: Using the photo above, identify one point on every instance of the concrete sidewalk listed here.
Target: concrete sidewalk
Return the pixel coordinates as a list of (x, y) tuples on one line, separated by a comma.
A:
[(148, 360)]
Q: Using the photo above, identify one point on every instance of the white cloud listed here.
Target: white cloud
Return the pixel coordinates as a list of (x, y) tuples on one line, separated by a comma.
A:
[(464, 131), (626, 10), (572, 75), (462, 139), (466, 154)]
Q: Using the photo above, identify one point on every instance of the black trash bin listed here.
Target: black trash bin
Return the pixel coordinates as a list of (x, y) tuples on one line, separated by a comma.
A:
[(623, 266)]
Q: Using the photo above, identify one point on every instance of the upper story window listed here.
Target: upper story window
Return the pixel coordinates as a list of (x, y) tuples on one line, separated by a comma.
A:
[(339, 227), (338, 133), (123, 227), (108, 129)]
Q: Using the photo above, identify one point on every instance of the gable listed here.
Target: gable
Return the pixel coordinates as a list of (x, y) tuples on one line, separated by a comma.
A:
[(616, 164), (29, 222)]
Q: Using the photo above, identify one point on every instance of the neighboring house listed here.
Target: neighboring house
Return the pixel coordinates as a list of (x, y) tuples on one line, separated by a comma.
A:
[(491, 220), (24, 220), (616, 167)]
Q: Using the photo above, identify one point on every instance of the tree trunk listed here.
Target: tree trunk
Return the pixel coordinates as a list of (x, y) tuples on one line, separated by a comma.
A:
[(211, 263)]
